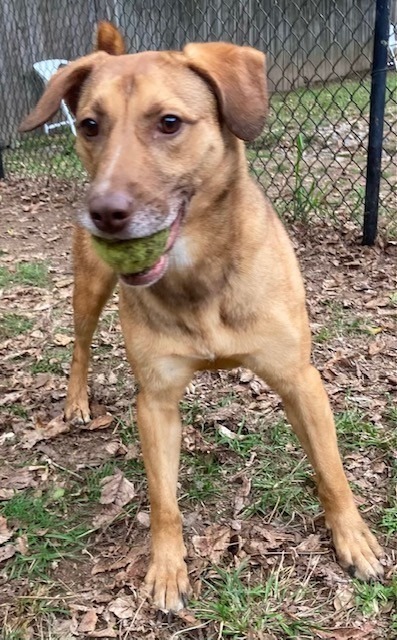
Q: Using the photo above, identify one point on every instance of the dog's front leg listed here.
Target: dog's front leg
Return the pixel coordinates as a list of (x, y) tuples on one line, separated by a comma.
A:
[(160, 432), (94, 282)]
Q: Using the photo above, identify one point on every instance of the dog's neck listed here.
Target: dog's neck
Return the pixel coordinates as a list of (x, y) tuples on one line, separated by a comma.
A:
[(206, 255)]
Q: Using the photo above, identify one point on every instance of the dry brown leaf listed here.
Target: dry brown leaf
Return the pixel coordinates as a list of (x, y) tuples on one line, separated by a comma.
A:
[(227, 433), (43, 431), (346, 633), (54, 428), (5, 533), (88, 621), (7, 552), (376, 347), (6, 494), (143, 518), (107, 515), (116, 489), (310, 544), (123, 607), (21, 545), (344, 598), (213, 544), (101, 422), (62, 339), (116, 448), (17, 479), (103, 633)]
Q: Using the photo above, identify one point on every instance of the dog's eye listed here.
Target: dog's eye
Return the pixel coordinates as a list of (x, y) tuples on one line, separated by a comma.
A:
[(89, 127), (170, 124)]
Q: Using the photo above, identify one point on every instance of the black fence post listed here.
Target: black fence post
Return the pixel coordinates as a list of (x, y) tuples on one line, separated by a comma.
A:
[(377, 112), (2, 174)]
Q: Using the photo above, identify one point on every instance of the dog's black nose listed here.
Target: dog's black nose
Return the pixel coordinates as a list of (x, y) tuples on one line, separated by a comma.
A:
[(110, 212)]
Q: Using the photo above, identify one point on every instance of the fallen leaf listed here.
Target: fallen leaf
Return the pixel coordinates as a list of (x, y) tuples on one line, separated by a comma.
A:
[(43, 431), (6, 494), (116, 448), (376, 347), (123, 607), (7, 552), (310, 544), (21, 545), (106, 516), (5, 533), (227, 433), (88, 621), (103, 633), (17, 479), (101, 422), (143, 518), (213, 544), (347, 633), (116, 489), (62, 339), (344, 598)]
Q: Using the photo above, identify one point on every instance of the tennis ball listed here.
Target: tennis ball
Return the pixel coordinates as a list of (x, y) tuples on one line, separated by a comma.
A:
[(131, 256)]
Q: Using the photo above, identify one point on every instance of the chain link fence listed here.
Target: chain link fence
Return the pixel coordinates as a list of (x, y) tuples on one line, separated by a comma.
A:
[(311, 157)]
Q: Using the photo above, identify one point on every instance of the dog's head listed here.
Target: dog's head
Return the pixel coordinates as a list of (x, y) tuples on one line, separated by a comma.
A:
[(154, 127)]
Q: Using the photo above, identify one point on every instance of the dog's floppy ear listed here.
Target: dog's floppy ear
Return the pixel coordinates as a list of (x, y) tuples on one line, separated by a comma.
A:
[(238, 78), (109, 39), (64, 84)]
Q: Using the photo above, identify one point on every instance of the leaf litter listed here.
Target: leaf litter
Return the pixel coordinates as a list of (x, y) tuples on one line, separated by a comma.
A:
[(350, 298)]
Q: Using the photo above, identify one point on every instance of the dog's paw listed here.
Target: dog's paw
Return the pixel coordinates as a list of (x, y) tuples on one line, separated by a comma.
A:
[(77, 411), (357, 549), (168, 584)]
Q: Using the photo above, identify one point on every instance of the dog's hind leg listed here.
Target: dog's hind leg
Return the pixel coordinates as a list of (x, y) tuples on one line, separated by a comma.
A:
[(307, 407), (93, 285)]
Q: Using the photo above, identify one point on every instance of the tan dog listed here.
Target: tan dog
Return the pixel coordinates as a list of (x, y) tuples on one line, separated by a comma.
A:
[(160, 135)]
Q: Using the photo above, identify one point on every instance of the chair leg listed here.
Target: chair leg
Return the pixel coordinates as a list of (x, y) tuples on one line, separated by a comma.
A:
[(68, 117)]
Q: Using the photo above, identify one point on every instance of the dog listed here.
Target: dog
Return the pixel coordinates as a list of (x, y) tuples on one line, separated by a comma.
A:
[(161, 136)]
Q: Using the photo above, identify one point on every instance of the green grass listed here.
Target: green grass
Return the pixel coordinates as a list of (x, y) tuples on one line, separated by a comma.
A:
[(17, 410), (51, 532), (34, 274), (371, 597), (13, 324), (204, 479), (355, 432), (340, 322), (53, 360), (241, 607), (38, 154)]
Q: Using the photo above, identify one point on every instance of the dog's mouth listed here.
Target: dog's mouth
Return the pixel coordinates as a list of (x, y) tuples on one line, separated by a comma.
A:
[(153, 273)]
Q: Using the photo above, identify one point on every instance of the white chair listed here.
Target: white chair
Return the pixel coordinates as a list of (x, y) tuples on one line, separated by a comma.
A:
[(45, 69), (393, 46)]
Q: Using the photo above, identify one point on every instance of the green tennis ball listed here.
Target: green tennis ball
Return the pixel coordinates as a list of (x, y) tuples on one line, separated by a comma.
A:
[(132, 256)]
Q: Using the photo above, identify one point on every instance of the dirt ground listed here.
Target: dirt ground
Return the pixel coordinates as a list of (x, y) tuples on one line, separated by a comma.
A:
[(286, 579)]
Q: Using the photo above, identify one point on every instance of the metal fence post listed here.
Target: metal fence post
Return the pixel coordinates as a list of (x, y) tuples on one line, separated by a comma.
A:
[(2, 174), (377, 111)]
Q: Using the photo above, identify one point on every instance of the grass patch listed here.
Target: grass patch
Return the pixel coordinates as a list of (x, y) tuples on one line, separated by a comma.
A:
[(340, 322), (281, 476), (51, 532), (52, 361), (17, 410), (38, 154), (371, 598), (356, 432), (204, 478), (34, 274), (13, 324), (241, 608)]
